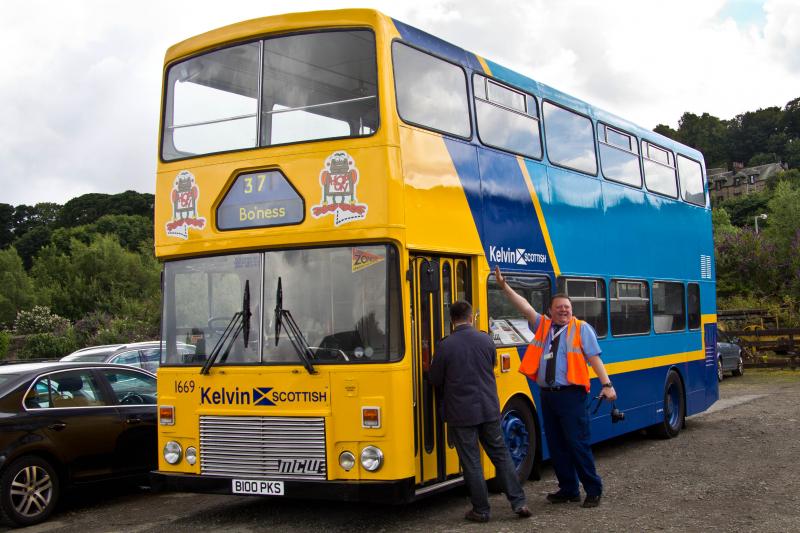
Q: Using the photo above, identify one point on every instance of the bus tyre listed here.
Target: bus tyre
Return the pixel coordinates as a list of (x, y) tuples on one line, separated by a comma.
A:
[(674, 409), (521, 436), (29, 491)]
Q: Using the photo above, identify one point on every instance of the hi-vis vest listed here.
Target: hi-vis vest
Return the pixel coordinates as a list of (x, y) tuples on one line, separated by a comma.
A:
[(577, 369)]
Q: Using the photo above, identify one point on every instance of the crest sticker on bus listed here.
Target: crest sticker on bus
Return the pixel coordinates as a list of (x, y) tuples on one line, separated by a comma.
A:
[(185, 194), (338, 180)]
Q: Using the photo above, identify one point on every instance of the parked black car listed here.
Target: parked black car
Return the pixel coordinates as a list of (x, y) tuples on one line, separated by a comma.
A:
[(729, 356), (146, 355), (64, 424)]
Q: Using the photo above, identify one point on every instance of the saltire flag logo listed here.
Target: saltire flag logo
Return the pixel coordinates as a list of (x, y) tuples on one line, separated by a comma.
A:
[(260, 396)]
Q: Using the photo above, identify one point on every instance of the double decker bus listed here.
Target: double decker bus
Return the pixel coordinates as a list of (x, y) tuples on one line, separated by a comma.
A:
[(329, 183)]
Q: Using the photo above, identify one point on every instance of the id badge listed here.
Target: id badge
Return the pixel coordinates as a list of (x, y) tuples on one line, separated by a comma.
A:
[(548, 356)]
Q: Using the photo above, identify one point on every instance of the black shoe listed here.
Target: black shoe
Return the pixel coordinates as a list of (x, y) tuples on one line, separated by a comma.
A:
[(524, 512), (591, 501), (472, 516), (560, 497)]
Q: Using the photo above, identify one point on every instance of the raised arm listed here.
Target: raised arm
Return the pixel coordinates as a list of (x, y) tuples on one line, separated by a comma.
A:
[(522, 305)]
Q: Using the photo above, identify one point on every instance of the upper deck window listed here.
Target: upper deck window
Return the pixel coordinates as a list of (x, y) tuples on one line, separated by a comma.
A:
[(691, 176), (659, 170), (287, 89), (507, 119), (570, 139), (431, 92), (619, 156)]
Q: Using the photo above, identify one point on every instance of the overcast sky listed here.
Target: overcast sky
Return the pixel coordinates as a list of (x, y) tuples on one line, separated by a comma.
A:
[(80, 79)]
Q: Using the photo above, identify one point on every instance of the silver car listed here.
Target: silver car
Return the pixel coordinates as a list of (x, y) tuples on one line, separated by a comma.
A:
[(729, 356), (145, 355)]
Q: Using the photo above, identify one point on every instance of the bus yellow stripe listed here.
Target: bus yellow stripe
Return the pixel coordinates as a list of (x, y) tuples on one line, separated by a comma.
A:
[(485, 65), (650, 362), (542, 224)]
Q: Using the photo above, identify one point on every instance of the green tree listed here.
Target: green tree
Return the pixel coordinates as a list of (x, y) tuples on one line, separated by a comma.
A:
[(762, 159), (784, 215), (134, 232), (792, 176), (744, 209), (31, 242), (6, 225), (791, 153), (100, 276), (666, 131), (750, 132), (721, 223), (706, 133), (16, 289), (791, 118), (88, 208)]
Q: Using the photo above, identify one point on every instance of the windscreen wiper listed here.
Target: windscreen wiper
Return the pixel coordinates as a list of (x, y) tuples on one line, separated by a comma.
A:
[(240, 323), (293, 331)]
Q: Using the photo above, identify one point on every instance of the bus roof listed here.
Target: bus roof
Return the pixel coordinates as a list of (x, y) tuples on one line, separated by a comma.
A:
[(242, 31)]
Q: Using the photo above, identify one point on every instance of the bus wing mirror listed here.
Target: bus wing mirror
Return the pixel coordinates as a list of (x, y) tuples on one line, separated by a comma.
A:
[(429, 277)]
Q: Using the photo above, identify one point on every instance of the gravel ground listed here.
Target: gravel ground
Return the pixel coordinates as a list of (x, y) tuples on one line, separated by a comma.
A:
[(734, 468)]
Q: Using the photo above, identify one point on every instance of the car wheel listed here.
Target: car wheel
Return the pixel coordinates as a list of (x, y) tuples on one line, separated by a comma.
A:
[(521, 436), (674, 409), (29, 490), (720, 373), (739, 370)]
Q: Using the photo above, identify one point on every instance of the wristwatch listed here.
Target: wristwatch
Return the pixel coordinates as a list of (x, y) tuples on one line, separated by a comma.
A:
[(608, 385)]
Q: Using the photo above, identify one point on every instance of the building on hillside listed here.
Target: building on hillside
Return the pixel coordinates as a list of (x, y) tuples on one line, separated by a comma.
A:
[(727, 184)]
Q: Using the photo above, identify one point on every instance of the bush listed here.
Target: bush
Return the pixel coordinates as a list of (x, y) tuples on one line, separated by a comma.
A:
[(39, 320), (87, 328), (5, 340), (48, 345)]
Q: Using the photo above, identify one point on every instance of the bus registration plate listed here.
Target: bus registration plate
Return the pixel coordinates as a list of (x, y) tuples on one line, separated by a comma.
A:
[(260, 487)]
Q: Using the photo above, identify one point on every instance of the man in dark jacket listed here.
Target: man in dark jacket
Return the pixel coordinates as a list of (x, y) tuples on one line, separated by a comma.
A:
[(463, 372)]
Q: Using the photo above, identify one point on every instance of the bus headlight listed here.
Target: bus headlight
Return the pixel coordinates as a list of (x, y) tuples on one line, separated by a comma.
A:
[(191, 455), (347, 460), (172, 452), (371, 458)]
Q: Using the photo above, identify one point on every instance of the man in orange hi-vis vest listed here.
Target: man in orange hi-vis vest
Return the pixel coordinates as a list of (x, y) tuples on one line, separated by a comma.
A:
[(557, 360)]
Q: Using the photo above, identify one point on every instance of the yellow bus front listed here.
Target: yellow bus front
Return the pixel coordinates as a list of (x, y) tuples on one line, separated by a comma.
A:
[(280, 222)]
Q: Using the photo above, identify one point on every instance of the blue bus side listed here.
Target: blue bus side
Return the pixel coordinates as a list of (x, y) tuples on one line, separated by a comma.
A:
[(597, 228)]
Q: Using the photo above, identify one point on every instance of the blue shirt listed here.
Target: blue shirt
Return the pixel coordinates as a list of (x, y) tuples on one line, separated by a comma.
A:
[(588, 343)]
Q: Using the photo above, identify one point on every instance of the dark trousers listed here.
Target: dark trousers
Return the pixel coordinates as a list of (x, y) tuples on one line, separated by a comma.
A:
[(566, 426), (490, 436)]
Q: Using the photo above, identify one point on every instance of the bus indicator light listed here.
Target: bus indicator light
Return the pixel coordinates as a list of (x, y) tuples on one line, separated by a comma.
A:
[(166, 415), (505, 363), (371, 417)]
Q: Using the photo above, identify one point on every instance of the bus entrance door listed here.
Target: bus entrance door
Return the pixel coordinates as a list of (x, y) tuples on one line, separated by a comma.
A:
[(437, 283)]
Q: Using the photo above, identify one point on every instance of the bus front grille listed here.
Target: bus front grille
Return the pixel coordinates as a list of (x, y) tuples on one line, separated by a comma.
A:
[(263, 447)]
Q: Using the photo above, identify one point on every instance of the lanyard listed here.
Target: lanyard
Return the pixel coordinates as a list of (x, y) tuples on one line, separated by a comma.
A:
[(557, 333)]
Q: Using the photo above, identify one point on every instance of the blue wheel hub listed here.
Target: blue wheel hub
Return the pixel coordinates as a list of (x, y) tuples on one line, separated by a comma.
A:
[(516, 436), (671, 408)]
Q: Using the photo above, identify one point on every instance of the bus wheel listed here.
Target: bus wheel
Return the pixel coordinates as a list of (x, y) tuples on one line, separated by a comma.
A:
[(519, 432), (674, 409)]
